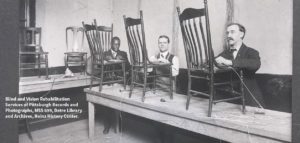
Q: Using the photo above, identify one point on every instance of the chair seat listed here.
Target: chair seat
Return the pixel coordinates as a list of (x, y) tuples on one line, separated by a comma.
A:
[(111, 62), (75, 54), (216, 70), (152, 64)]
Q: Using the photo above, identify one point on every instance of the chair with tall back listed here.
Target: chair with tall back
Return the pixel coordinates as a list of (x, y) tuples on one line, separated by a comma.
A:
[(74, 41), (31, 53), (200, 59), (99, 40), (139, 57)]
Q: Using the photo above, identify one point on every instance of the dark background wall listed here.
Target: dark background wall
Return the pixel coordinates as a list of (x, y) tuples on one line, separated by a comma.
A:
[(296, 75), (9, 25)]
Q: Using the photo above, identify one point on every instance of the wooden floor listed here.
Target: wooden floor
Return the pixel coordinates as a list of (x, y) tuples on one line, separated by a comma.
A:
[(133, 131), (77, 132)]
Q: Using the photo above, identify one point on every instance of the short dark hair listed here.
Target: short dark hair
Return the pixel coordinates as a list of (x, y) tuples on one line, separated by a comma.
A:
[(115, 38), (164, 36), (241, 28)]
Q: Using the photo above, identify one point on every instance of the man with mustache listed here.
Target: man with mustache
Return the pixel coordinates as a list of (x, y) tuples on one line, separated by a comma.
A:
[(240, 56)]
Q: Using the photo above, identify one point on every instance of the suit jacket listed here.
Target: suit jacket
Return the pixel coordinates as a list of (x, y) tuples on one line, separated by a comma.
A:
[(121, 55), (248, 60)]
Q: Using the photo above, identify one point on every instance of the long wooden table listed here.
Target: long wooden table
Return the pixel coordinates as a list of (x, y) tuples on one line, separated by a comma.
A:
[(227, 121), (35, 84)]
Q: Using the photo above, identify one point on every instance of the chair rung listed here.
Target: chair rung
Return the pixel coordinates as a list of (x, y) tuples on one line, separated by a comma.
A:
[(223, 83), (201, 93), (199, 77), (138, 83), (112, 81), (160, 75), (227, 99), (228, 90), (113, 71)]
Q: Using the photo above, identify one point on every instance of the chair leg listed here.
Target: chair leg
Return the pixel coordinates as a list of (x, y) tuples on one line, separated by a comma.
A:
[(211, 97), (28, 129), (66, 59), (101, 79), (154, 80), (124, 75), (188, 93), (144, 85), (85, 64), (92, 77), (171, 83), (47, 68), (132, 82), (91, 83), (242, 94), (39, 64)]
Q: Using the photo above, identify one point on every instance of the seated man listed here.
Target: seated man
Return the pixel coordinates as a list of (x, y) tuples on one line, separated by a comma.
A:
[(114, 54), (164, 131), (166, 57), (239, 56)]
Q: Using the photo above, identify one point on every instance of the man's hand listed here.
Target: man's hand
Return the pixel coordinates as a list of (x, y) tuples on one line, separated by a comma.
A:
[(222, 61), (163, 60)]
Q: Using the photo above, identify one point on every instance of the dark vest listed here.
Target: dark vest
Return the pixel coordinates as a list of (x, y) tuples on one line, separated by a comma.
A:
[(165, 70), (169, 57)]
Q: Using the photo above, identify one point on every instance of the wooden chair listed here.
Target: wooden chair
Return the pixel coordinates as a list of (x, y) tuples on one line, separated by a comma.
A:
[(139, 57), (74, 41), (31, 53), (99, 40), (200, 59)]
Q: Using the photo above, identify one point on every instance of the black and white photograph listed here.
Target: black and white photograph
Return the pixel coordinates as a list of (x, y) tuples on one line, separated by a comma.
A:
[(149, 71)]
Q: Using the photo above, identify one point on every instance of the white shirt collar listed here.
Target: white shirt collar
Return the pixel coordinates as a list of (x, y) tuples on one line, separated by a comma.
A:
[(237, 47), (113, 52), (164, 53)]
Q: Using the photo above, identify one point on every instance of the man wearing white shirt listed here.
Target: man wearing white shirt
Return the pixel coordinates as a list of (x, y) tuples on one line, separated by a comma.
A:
[(165, 56)]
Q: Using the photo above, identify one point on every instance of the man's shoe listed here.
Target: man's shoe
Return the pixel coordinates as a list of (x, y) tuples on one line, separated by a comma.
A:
[(106, 131)]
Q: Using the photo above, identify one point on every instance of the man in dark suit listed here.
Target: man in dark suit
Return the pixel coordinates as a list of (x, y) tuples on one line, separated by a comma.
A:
[(114, 54), (244, 58)]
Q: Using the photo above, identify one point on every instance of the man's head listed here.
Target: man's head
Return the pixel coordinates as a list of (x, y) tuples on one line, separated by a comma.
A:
[(163, 43), (235, 33), (115, 43)]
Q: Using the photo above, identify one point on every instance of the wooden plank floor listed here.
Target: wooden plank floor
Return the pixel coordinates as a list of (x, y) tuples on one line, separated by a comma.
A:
[(77, 132), (273, 124)]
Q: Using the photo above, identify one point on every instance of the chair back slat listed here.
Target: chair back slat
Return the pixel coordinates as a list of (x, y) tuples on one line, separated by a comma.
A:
[(99, 40), (196, 38), (31, 36), (74, 38), (136, 40)]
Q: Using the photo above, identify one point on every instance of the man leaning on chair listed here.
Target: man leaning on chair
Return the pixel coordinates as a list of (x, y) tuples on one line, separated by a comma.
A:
[(240, 56)]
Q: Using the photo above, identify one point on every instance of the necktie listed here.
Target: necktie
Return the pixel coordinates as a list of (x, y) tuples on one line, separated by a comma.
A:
[(231, 53), (162, 56), (114, 55)]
